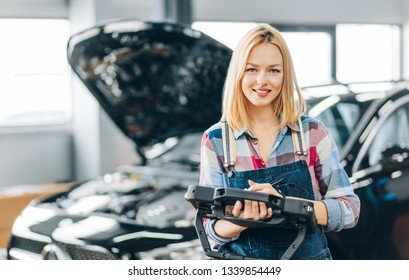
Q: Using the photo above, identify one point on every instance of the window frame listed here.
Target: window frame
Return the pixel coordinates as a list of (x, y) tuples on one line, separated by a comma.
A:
[(331, 30)]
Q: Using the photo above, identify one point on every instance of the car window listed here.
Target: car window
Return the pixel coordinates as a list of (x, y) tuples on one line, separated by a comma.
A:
[(393, 132), (340, 120), (350, 113)]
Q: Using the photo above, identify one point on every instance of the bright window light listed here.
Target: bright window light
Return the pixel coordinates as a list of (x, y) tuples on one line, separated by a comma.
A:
[(34, 73), (311, 53), (364, 52), (367, 52), (228, 33)]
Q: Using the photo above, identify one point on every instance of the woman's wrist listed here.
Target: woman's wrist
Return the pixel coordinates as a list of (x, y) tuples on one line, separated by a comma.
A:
[(320, 210), (227, 229)]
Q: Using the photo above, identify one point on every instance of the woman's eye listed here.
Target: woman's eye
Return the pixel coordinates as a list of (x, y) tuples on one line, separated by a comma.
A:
[(274, 70), (251, 70)]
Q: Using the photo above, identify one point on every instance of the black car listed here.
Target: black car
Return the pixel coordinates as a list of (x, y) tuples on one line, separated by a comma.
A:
[(370, 124), (161, 83)]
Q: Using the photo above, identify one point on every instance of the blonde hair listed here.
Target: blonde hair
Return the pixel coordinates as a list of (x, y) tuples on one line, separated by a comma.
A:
[(235, 110)]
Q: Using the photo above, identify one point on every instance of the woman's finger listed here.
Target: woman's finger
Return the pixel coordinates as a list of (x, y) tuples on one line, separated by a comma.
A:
[(269, 213), (248, 210), (265, 188), (237, 209), (261, 187), (255, 210), (263, 210)]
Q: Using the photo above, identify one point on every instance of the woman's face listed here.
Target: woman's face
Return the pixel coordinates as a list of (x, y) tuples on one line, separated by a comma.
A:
[(263, 75)]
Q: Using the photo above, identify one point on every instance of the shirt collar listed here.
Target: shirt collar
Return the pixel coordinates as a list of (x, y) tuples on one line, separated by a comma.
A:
[(237, 133)]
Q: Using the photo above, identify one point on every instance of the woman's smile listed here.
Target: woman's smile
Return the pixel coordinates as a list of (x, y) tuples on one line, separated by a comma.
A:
[(261, 91)]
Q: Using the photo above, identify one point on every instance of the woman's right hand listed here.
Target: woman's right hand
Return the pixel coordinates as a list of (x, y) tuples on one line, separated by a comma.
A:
[(252, 210)]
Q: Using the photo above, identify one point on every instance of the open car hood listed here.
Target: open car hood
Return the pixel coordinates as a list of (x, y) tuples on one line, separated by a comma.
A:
[(155, 80)]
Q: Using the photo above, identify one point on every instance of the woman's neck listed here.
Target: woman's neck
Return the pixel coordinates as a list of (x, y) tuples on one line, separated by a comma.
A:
[(263, 119)]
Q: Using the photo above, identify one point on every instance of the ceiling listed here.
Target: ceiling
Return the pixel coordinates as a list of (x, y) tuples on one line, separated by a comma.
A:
[(278, 11)]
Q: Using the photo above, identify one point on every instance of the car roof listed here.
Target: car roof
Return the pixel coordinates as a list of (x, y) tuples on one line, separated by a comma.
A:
[(369, 96), (321, 97)]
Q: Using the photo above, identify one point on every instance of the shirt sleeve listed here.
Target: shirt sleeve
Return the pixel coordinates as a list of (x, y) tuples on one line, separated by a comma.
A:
[(210, 170), (211, 175), (343, 205)]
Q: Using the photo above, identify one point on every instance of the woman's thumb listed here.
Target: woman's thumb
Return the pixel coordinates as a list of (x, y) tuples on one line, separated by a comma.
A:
[(251, 183)]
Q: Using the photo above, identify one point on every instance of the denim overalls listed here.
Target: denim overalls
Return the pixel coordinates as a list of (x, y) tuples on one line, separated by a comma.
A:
[(271, 243)]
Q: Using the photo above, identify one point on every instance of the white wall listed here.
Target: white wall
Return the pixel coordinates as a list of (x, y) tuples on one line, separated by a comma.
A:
[(301, 11), (288, 11), (33, 9), (405, 54), (35, 157)]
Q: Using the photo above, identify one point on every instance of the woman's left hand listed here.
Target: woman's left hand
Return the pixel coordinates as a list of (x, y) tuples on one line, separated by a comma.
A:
[(264, 188), (254, 210)]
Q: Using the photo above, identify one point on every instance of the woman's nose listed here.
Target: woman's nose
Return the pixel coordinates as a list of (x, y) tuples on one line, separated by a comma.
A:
[(261, 79)]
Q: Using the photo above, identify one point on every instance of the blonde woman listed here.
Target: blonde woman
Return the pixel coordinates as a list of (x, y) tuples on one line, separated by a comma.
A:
[(278, 150)]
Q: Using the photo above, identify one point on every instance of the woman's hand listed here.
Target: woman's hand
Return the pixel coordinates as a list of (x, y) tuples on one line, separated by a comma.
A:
[(254, 210), (264, 188)]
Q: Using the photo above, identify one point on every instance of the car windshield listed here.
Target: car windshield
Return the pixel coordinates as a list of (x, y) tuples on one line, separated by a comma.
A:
[(340, 119), (340, 114), (341, 106)]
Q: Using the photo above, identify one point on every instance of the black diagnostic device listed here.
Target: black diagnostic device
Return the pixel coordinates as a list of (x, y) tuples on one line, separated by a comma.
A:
[(211, 202)]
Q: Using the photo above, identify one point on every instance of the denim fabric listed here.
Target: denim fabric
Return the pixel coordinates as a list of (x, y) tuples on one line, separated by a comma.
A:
[(271, 243)]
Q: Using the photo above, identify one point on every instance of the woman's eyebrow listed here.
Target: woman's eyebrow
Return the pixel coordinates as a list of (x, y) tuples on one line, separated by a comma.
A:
[(272, 65)]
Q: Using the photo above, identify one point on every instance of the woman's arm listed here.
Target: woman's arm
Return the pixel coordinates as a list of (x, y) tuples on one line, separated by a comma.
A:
[(341, 203), (227, 229)]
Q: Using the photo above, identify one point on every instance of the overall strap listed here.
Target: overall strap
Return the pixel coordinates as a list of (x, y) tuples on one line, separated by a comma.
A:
[(299, 141), (229, 147)]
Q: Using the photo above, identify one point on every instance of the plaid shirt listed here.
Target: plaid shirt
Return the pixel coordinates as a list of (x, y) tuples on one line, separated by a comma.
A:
[(330, 183)]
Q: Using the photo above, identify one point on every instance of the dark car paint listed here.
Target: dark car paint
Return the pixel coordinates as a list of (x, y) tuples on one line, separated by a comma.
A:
[(145, 210), (382, 231), (155, 80)]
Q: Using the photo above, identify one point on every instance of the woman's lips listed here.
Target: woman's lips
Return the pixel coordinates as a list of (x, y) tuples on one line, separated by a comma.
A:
[(261, 91)]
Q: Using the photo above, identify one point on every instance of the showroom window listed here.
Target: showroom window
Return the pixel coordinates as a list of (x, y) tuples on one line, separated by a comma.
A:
[(368, 52), (34, 73), (345, 52), (312, 55)]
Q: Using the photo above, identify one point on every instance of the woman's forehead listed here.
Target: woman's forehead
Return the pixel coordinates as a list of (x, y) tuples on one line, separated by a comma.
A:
[(265, 53)]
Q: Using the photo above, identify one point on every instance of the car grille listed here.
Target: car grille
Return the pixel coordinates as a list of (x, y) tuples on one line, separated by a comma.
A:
[(78, 252), (27, 244)]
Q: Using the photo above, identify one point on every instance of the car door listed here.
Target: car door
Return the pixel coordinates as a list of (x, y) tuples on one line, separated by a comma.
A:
[(380, 174)]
